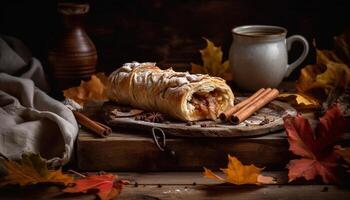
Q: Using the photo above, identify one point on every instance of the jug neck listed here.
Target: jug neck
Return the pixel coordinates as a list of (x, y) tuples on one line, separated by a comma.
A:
[(73, 14)]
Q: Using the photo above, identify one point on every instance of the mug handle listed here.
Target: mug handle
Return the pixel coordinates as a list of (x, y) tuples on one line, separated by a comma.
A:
[(290, 41)]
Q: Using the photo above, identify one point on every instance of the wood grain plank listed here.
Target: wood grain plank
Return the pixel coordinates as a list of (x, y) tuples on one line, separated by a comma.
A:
[(324, 192), (190, 178), (169, 192), (123, 152), (136, 151), (197, 178)]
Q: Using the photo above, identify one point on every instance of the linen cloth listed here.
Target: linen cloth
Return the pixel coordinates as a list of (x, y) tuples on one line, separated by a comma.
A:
[(30, 120)]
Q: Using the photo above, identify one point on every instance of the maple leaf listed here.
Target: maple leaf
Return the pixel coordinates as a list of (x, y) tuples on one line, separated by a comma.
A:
[(239, 174), (107, 185), (301, 102), (316, 148), (94, 89), (31, 169), (320, 79), (212, 62)]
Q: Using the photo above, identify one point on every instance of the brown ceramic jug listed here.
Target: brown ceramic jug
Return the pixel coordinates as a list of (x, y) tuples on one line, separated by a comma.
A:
[(72, 55)]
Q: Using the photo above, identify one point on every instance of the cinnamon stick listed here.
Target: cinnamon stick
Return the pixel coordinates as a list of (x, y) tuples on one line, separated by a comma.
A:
[(253, 101), (96, 127), (227, 114), (263, 99)]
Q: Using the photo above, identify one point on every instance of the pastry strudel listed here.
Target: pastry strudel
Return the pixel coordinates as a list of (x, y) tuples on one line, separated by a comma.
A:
[(184, 96)]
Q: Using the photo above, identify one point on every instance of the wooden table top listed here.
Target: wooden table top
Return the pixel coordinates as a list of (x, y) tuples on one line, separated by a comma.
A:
[(191, 185)]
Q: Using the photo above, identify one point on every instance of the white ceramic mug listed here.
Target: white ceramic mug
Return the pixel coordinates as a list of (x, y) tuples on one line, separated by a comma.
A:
[(259, 55)]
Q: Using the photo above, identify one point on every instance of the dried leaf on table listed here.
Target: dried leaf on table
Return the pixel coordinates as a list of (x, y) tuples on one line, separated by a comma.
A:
[(212, 62), (301, 102), (106, 186), (239, 174), (31, 169), (94, 89), (316, 149)]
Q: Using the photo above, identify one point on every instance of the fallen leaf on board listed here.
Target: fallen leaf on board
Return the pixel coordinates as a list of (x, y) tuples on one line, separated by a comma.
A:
[(318, 155), (107, 186), (239, 174), (31, 169), (212, 62), (130, 113), (299, 101), (94, 89)]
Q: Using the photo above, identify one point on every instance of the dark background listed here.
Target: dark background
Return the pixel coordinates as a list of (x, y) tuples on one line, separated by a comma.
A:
[(169, 32)]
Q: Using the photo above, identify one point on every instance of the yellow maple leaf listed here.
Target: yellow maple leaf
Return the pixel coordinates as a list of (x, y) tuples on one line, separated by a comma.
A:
[(31, 169), (300, 102), (212, 62), (239, 174), (94, 89), (320, 79)]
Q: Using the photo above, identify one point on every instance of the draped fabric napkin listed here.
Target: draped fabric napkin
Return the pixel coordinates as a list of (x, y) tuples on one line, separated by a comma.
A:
[(30, 120)]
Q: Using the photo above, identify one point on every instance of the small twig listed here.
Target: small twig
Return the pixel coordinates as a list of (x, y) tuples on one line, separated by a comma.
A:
[(77, 173)]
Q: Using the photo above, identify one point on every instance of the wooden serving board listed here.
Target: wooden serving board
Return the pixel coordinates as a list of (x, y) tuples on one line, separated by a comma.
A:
[(266, 120), (135, 151)]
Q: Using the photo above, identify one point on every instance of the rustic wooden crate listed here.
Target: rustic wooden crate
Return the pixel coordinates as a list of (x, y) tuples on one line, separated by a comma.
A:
[(137, 152)]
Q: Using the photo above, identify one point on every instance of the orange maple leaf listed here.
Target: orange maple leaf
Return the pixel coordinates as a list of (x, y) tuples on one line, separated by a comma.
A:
[(94, 89), (31, 169), (107, 185), (239, 174), (318, 155)]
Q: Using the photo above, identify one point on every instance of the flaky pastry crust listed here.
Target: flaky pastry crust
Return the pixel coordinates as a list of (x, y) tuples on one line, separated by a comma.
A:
[(145, 86)]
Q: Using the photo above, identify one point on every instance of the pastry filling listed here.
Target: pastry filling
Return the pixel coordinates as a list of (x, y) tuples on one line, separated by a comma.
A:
[(207, 104)]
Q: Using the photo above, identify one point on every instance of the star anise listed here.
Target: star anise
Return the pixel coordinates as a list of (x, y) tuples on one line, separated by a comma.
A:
[(155, 117)]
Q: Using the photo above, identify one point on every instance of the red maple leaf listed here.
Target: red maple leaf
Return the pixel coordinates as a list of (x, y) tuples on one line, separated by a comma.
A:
[(316, 148), (106, 185)]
